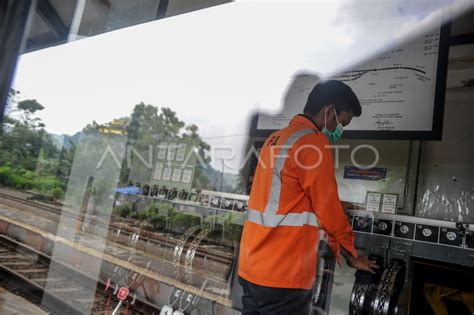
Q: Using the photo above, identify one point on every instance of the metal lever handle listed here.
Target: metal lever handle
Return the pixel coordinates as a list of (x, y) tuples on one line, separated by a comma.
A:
[(117, 307)]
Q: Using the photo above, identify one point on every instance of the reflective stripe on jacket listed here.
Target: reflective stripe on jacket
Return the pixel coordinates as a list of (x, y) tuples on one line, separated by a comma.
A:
[(294, 194)]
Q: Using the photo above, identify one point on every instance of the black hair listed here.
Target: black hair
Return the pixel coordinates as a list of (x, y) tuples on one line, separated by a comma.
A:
[(332, 92)]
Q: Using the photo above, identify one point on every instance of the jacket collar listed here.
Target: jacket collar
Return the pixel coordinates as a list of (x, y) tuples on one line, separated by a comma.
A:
[(305, 120)]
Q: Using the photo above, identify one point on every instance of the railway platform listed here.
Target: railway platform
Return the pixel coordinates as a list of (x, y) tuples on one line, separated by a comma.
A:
[(12, 304), (104, 254)]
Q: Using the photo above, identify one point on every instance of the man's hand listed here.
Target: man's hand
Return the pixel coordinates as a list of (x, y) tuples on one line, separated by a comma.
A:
[(362, 263)]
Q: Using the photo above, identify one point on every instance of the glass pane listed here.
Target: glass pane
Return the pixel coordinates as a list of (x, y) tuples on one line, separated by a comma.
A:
[(126, 157)]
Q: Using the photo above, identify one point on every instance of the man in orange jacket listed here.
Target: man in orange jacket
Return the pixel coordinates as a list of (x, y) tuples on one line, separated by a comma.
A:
[(294, 196)]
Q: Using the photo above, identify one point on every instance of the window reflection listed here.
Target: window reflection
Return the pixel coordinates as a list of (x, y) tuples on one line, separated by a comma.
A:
[(138, 140)]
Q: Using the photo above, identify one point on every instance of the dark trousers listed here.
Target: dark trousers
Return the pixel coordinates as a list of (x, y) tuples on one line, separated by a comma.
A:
[(266, 300)]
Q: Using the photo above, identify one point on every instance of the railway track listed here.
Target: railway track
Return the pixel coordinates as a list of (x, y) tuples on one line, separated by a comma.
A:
[(31, 203), (60, 289), (148, 237)]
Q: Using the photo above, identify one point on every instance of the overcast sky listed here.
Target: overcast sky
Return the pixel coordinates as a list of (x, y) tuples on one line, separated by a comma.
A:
[(214, 66)]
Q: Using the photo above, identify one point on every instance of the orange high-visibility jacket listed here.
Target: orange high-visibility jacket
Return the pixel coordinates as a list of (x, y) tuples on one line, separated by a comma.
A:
[(294, 195)]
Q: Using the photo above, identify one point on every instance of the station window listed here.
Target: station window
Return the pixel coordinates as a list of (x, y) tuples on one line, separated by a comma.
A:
[(132, 132)]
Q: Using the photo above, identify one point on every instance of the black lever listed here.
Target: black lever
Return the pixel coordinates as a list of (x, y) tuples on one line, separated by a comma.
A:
[(462, 228)]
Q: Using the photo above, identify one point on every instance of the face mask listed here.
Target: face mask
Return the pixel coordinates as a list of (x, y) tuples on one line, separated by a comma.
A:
[(335, 135)]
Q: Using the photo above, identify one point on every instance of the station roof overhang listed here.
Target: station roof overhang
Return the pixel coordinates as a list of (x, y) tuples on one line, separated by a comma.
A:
[(58, 21)]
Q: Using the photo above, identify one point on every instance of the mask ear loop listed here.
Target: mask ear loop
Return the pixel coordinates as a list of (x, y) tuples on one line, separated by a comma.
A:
[(325, 117)]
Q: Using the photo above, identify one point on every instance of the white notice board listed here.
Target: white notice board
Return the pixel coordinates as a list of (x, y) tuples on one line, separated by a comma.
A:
[(401, 92)]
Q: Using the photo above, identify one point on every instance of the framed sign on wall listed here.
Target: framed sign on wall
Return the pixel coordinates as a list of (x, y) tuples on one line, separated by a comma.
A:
[(401, 91)]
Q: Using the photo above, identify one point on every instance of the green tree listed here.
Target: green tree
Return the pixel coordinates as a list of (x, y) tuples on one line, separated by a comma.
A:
[(57, 193), (28, 108), (12, 97), (27, 151), (149, 124), (24, 137)]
